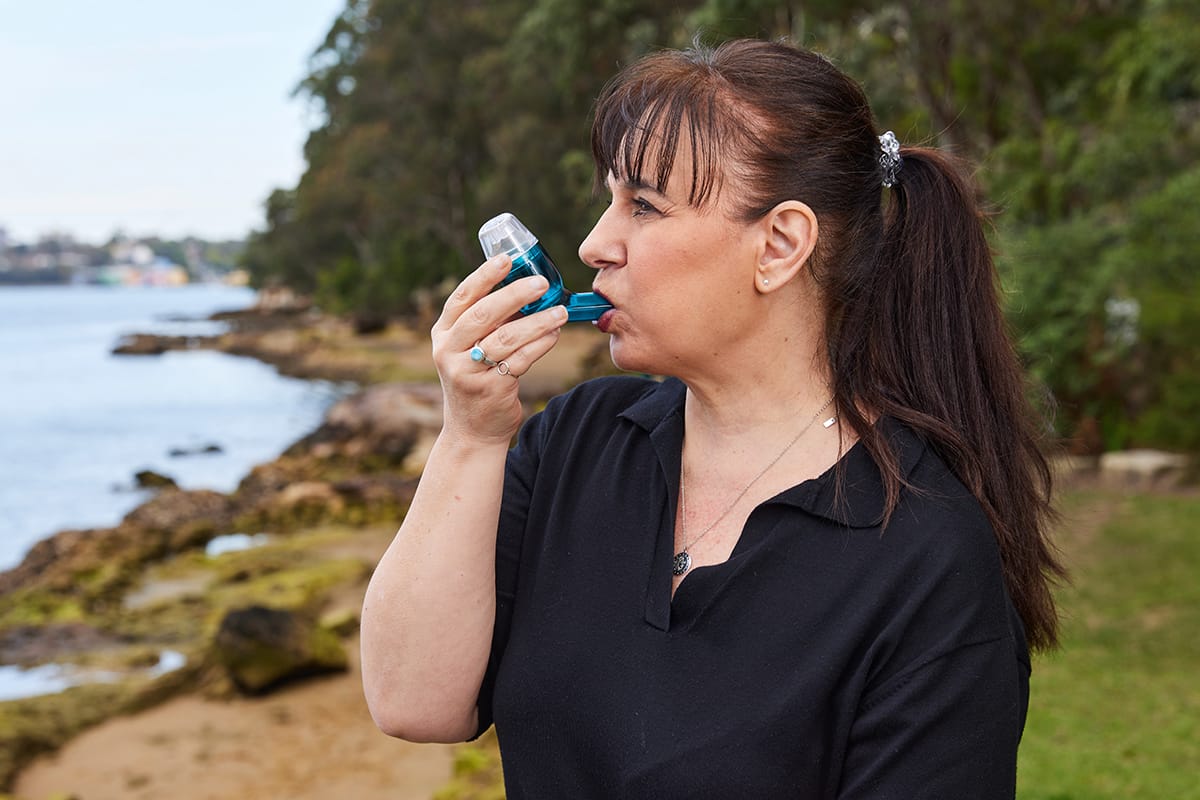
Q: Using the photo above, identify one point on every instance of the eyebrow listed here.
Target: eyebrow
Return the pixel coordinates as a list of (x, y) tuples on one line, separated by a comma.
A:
[(637, 184)]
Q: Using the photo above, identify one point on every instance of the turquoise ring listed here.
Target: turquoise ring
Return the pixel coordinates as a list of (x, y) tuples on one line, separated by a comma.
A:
[(477, 355)]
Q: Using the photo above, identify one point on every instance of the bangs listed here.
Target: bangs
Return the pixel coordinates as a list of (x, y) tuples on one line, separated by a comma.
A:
[(647, 111)]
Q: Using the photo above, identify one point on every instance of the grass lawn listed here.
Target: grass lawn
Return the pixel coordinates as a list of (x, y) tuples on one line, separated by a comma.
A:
[(1115, 713)]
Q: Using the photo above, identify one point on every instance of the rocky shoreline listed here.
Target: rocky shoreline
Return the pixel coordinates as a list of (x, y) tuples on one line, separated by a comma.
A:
[(259, 616)]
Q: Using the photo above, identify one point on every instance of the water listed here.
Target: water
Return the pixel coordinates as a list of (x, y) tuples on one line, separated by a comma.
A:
[(76, 422), (17, 682)]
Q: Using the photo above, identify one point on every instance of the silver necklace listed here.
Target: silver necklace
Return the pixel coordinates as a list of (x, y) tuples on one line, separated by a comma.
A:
[(682, 561)]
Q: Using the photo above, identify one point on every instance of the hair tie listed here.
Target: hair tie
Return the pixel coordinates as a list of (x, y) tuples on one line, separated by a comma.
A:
[(889, 159)]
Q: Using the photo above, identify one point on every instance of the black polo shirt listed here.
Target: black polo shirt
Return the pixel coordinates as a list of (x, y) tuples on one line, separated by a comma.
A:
[(826, 658)]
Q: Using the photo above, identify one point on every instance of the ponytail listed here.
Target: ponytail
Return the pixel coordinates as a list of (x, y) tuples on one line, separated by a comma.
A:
[(922, 338)]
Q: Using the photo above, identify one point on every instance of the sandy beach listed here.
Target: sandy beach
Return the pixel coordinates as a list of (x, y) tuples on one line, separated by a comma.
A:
[(315, 740)]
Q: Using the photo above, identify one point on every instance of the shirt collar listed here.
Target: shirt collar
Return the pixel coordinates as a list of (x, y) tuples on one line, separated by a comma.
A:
[(863, 497)]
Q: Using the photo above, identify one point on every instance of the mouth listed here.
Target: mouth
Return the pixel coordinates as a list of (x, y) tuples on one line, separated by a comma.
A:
[(605, 320)]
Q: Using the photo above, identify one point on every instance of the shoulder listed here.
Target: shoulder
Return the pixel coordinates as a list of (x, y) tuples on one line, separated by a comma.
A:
[(942, 520), (942, 572)]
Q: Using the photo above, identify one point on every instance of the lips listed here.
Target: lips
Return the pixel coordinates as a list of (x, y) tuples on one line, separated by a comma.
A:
[(605, 319)]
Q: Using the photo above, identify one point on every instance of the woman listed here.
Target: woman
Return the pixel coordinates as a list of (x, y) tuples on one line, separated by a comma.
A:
[(811, 562)]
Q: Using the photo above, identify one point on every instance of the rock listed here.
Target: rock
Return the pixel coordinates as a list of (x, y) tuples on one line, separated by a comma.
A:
[(1143, 468), (53, 562), (140, 344), (381, 423), (152, 344), (27, 645), (182, 518), (377, 491), (308, 500), (262, 647), (1066, 466), (92, 565), (149, 479), (201, 450), (342, 623)]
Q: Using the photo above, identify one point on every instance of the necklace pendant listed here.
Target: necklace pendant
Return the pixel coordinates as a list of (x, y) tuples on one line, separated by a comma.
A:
[(681, 563)]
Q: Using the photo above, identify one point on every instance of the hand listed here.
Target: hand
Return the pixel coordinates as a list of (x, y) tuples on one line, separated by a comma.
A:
[(481, 402)]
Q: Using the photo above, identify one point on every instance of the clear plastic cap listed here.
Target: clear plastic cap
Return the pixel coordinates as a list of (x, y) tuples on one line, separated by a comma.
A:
[(505, 233)]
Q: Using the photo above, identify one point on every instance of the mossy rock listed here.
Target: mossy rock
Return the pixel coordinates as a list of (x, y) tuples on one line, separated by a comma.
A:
[(38, 607), (261, 648), (149, 479)]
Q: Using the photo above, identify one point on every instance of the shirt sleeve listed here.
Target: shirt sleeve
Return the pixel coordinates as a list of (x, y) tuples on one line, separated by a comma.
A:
[(947, 728), (520, 473)]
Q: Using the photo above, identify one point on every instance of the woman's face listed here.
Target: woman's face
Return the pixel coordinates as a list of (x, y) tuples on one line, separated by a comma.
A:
[(680, 278)]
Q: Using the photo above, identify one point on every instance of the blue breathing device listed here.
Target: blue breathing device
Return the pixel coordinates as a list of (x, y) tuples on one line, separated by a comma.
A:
[(506, 234)]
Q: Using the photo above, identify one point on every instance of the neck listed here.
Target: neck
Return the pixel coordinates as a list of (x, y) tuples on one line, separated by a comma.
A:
[(749, 401)]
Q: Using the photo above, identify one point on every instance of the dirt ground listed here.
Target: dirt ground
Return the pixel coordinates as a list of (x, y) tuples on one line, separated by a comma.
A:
[(315, 740)]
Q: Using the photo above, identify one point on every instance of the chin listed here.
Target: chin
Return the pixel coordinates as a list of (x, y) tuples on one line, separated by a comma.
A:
[(627, 358)]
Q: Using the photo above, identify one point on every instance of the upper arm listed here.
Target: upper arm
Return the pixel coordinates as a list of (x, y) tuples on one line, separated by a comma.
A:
[(946, 728)]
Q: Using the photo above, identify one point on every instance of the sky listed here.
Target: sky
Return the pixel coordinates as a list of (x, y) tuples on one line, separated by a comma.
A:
[(152, 118)]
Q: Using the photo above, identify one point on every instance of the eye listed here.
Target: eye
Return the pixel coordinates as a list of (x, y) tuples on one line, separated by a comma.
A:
[(642, 208)]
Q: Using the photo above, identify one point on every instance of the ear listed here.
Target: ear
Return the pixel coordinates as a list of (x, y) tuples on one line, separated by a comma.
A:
[(789, 232)]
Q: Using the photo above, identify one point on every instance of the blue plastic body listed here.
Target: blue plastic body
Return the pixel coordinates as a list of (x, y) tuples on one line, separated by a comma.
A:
[(581, 307)]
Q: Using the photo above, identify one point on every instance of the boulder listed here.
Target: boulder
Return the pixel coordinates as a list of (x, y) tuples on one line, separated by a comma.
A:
[(182, 518), (341, 622), (149, 479), (1143, 468), (261, 648), (303, 501)]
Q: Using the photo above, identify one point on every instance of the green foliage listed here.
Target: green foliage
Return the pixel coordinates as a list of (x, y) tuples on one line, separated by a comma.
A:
[(1063, 280), (1084, 115)]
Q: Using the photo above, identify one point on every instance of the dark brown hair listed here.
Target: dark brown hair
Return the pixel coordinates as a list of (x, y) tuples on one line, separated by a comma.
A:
[(913, 324)]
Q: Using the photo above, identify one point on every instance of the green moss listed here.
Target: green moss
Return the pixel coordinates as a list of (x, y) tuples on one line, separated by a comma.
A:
[(301, 587), (38, 607), (477, 771)]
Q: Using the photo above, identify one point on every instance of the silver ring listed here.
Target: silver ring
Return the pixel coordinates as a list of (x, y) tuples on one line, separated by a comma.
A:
[(476, 353), (502, 368)]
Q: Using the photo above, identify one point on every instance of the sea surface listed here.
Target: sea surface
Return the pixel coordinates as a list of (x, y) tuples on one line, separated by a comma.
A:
[(76, 422)]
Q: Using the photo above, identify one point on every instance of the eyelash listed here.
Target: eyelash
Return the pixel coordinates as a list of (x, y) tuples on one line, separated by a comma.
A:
[(641, 207)]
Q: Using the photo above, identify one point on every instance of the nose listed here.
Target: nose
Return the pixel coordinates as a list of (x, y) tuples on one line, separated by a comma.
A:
[(602, 247)]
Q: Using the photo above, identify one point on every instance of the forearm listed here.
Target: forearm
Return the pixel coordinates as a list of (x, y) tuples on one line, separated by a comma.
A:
[(430, 607)]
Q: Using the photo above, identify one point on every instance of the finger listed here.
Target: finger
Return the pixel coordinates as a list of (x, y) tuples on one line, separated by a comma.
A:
[(488, 313), (472, 288), (515, 334), (519, 361)]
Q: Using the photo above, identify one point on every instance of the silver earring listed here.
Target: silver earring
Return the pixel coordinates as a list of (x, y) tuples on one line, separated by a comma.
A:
[(766, 281)]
